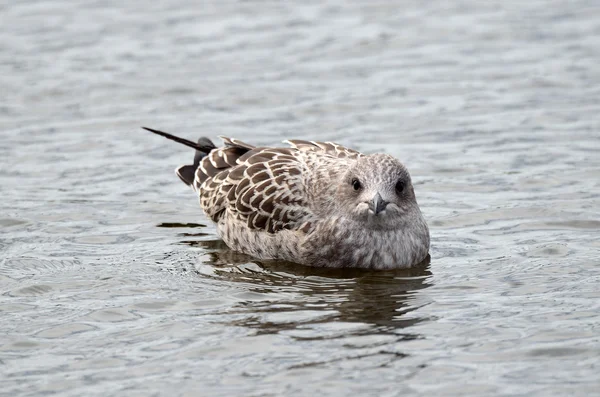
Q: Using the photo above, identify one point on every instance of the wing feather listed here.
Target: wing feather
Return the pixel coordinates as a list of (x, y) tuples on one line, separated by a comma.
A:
[(266, 191), (330, 148), (263, 186)]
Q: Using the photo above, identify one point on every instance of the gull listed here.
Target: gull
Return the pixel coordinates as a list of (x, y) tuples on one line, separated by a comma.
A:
[(313, 203)]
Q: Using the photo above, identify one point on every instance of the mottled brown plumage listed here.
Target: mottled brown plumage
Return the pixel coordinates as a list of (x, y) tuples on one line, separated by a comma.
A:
[(316, 203)]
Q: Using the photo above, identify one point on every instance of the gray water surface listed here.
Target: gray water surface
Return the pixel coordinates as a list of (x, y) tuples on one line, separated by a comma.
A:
[(112, 282)]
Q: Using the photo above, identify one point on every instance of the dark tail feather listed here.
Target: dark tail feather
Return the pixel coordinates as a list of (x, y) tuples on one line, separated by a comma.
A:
[(187, 173), (204, 144)]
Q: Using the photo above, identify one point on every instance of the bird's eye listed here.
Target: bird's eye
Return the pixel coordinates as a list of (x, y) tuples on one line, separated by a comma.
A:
[(399, 187), (356, 184)]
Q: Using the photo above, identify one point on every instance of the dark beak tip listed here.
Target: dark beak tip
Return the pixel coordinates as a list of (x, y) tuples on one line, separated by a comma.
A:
[(378, 205), (380, 209)]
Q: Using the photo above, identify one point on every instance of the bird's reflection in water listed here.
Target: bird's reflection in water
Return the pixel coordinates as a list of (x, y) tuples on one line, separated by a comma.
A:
[(288, 291)]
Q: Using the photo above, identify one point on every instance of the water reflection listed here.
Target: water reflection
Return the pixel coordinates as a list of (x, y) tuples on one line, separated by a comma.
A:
[(286, 296)]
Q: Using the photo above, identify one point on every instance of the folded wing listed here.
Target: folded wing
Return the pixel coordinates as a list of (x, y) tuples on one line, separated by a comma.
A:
[(261, 186)]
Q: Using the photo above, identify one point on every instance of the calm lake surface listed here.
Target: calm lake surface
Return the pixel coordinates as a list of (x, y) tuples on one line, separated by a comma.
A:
[(113, 283)]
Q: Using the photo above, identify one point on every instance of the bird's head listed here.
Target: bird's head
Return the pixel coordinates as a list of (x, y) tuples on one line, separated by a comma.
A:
[(378, 191)]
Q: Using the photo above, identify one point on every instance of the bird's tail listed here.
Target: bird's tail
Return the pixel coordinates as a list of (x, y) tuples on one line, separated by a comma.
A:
[(204, 146)]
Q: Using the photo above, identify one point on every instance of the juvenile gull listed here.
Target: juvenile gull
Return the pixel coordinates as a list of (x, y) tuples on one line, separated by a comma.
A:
[(314, 203)]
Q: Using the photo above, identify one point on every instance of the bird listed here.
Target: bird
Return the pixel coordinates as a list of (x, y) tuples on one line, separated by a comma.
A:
[(312, 203)]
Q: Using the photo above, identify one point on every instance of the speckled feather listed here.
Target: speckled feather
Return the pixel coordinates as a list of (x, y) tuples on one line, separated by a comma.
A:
[(266, 187)]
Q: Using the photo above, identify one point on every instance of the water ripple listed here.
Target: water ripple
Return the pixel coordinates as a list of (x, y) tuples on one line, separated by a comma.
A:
[(112, 282)]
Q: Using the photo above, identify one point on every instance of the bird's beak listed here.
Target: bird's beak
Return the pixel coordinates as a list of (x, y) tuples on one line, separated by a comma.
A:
[(377, 204)]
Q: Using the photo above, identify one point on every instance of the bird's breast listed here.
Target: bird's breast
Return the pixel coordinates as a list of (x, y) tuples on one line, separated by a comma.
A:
[(346, 244)]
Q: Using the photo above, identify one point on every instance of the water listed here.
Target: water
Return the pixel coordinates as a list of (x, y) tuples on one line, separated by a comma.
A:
[(113, 283)]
